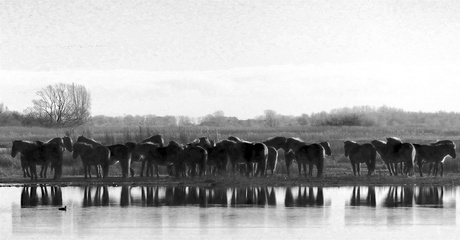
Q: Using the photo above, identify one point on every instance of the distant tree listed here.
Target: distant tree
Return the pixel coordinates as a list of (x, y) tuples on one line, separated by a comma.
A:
[(184, 121), (218, 113), (271, 118), (303, 119), (2, 108), (63, 105)]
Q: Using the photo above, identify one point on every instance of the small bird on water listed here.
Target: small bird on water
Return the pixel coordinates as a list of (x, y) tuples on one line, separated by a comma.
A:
[(63, 208)]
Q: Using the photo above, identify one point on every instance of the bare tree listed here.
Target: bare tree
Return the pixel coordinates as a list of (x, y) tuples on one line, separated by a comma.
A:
[(63, 105), (271, 118), (2, 108)]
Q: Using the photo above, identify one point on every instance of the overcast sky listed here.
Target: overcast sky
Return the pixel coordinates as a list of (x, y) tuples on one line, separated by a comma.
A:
[(242, 57)]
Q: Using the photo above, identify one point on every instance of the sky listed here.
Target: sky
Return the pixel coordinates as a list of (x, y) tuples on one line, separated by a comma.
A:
[(241, 57)]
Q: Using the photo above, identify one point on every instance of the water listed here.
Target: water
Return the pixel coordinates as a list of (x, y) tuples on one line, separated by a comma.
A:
[(102, 212)]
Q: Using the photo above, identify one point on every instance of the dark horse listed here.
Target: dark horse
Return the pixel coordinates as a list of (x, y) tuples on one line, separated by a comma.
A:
[(118, 153), (394, 151), (254, 156), (97, 156), (135, 156), (360, 153), (435, 153), (20, 146), (312, 154), (41, 153)]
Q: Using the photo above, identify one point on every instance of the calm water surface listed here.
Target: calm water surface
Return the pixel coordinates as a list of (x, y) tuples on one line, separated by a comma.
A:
[(106, 212)]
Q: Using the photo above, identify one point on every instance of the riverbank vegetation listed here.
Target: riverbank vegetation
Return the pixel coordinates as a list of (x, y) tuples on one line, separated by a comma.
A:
[(335, 165)]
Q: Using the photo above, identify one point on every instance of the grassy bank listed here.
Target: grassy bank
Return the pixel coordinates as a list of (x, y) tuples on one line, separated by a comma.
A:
[(336, 165)]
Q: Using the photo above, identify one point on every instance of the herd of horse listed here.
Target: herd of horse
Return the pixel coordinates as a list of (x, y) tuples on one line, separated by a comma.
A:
[(204, 156)]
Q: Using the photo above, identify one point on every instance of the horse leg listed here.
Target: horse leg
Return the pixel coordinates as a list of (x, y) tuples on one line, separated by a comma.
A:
[(45, 169), (85, 167), (394, 167), (442, 168), (389, 169), (33, 171), (358, 167), (142, 168), (354, 168), (25, 167), (157, 171), (41, 170), (310, 169), (288, 164), (299, 166), (434, 166), (131, 171), (420, 165)]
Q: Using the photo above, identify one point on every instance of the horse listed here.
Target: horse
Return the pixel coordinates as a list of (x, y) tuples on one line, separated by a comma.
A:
[(251, 155), (272, 159), (158, 139), (142, 151), (97, 156), (396, 152), (276, 142), (122, 154), (191, 157), (403, 153), (312, 154), (295, 144), (118, 153), (90, 141), (203, 142), (66, 143), (435, 153), (360, 153), (165, 156), (273, 145), (327, 148), (221, 153), (43, 154), (21, 146), (291, 144)]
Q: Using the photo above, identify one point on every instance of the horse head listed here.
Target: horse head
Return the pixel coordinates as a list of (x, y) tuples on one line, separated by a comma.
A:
[(14, 149), (347, 146), (68, 144), (452, 151), (327, 148)]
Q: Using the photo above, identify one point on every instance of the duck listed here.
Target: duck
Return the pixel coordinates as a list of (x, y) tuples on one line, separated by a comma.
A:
[(63, 208)]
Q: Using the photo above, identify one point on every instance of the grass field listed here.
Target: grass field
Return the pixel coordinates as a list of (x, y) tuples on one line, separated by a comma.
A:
[(336, 165)]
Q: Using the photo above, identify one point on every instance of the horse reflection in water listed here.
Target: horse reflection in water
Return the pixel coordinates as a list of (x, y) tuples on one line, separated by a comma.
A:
[(96, 196), (399, 196), (429, 196), (252, 196), (304, 198), (198, 196), (369, 200), (30, 197)]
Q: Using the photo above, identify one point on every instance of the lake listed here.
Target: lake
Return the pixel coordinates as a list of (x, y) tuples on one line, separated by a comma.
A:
[(123, 212)]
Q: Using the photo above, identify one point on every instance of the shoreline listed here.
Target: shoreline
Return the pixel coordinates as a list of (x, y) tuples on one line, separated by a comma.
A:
[(241, 181)]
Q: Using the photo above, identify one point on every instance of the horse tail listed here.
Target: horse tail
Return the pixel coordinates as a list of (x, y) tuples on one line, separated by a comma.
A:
[(412, 159), (320, 160)]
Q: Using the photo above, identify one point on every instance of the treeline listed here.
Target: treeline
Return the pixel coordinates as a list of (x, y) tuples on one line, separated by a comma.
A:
[(355, 116)]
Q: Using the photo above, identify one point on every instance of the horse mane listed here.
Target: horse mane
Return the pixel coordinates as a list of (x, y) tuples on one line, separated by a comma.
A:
[(396, 139), (298, 139)]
